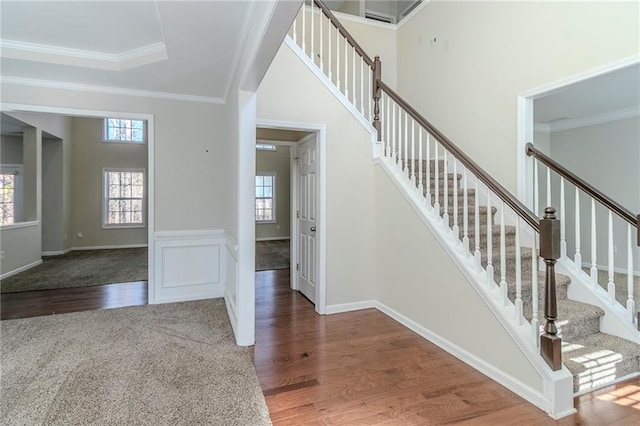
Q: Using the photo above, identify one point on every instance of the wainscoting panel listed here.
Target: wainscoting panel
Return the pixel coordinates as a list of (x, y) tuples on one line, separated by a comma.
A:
[(189, 265), (231, 279)]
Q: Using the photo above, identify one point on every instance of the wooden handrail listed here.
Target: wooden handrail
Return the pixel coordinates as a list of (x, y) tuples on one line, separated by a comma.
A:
[(352, 41), (518, 207), (580, 183)]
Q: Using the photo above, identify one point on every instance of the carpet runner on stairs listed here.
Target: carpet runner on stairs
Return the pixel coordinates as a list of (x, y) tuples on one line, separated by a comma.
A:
[(593, 358)]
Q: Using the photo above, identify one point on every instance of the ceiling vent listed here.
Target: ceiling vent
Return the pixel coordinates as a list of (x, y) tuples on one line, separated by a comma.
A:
[(379, 17)]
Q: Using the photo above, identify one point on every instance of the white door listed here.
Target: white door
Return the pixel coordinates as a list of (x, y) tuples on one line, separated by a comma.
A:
[(307, 208)]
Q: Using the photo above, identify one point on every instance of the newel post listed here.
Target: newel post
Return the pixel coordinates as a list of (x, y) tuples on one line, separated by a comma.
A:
[(377, 75), (550, 342)]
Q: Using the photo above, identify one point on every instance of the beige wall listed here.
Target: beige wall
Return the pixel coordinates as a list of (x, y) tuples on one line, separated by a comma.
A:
[(90, 156), (284, 95), (279, 162), (189, 138), (11, 150), (417, 278), (487, 53), (607, 156)]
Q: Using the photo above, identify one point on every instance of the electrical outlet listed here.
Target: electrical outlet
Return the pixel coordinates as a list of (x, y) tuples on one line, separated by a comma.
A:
[(615, 249), (278, 226), (1, 254), (80, 235), (66, 236)]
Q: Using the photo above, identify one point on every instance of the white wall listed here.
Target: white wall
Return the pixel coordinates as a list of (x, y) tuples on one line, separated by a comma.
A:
[(90, 156), (485, 54), (279, 162), (284, 96), (607, 156), (417, 279)]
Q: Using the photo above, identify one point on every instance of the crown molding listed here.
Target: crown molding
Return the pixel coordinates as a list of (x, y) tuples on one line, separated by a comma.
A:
[(36, 52), (109, 90), (574, 123)]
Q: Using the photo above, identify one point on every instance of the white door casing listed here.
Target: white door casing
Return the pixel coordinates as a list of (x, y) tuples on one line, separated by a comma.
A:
[(307, 221)]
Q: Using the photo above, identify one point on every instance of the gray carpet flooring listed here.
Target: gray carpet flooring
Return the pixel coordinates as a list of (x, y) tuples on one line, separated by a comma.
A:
[(621, 284), (81, 269), (173, 364), (273, 255)]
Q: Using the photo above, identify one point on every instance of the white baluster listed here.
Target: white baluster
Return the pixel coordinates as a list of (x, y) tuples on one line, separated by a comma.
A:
[(563, 222), (535, 322), (387, 117), (445, 186), (420, 176), (519, 308), (594, 245), (406, 145), (631, 304), (504, 288), (312, 17), (400, 144), (428, 173), (362, 87), (329, 44), (611, 286), (578, 255), (295, 27), (304, 31), (436, 181), (370, 97), (536, 189), (548, 186), (346, 69), (477, 254), (321, 41), (465, 213), (490, 278), (338, 59), (456, 227), (393, 134), (353, 77), (413, 153)]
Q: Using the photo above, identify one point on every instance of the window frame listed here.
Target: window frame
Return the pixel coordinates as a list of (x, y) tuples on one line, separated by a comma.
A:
[(17, 171), (105, 132), (271, 174), (105, 198)]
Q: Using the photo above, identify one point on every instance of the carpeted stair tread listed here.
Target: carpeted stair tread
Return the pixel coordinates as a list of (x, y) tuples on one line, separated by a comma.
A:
[(575, 319), (600, 358)]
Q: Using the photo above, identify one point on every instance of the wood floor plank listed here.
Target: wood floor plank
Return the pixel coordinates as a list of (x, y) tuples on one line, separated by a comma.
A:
[(371, 370)]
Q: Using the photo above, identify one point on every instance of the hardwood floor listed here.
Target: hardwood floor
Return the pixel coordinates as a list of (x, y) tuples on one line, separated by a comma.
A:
[(364, 368), (60, 301)]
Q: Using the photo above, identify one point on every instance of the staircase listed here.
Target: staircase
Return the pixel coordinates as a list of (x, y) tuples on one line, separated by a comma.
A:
[(505, 250), (593, 358)]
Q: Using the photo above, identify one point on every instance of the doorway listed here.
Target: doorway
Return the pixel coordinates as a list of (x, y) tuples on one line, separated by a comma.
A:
[(305, 210)]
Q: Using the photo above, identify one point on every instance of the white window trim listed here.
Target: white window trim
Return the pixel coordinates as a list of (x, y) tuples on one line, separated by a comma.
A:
[(105, 198), (18, 192), (273, 203), (105, 133)]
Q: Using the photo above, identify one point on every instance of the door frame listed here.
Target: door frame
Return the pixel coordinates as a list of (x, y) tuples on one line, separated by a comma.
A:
[(150, 172), (320, 134), (525, 123)]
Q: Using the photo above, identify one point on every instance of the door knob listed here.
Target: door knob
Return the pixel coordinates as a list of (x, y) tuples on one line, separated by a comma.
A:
[(313, 229)]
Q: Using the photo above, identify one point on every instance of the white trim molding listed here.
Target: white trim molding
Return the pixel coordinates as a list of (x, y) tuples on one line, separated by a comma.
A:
[(107, 247), (188, 265), (592, 120), (21, 269), (273, 238)]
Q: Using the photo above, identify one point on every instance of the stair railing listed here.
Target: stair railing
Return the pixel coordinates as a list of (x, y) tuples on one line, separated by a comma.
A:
[(336, 54), (428, 160), (612, 210)]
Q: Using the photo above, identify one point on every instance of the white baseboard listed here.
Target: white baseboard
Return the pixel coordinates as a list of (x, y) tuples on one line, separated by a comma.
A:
[(56, 253), (210, 293), (113, 247), (20, 269), (273, 238), (348, 307), (522, 389)]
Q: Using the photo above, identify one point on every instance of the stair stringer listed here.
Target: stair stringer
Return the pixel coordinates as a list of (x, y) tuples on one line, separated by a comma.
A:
[(556, 397), (615, 321)]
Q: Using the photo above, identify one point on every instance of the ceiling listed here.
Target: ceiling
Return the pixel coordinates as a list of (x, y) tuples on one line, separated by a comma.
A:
[(611, 93), (280, 135), (179, 48)]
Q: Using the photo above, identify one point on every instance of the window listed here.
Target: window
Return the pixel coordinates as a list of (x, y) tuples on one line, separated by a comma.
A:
[(266, 197), (10, 194), (123, 130), (124, 198)]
